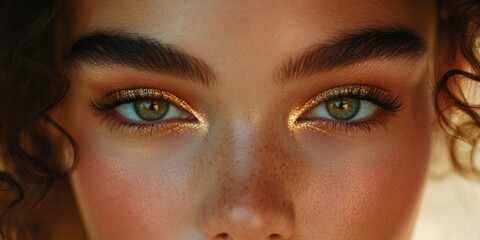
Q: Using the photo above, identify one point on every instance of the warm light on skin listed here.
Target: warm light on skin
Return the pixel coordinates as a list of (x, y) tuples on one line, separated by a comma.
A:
[(246, 169)]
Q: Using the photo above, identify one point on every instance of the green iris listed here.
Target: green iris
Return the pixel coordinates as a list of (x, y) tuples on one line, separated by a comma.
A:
[(151, 110), (343, 108)]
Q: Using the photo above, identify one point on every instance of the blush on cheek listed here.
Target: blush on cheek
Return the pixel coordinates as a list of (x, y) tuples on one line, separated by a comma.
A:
[(387, 193), (121, 204), (368, 188)]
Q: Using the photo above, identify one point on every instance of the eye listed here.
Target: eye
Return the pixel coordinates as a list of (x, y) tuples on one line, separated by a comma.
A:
[(343, 109), (347, 108), (147, 111), (150, 111)]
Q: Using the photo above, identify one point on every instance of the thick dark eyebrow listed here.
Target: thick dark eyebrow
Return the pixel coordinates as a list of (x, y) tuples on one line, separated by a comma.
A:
[(363, 45), (105, 48)]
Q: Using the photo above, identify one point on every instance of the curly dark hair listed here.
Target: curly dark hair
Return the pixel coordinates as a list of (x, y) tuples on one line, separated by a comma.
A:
[(31, 157), (31, 87), (459, 31)]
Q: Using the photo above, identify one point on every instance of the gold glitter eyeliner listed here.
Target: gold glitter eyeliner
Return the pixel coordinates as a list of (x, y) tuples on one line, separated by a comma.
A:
[(373, 94), (111, 101)]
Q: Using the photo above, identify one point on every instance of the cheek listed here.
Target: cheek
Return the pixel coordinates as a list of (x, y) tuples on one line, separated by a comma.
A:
[(125, 191), (371, 191)]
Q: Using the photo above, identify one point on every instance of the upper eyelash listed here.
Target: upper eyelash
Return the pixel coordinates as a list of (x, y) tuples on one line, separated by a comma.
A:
[(369, 93), (126, 96)]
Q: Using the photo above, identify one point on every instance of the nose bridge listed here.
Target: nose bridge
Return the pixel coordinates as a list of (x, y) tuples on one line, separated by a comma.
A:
[(248, 148), (250, 199), (254, 156)]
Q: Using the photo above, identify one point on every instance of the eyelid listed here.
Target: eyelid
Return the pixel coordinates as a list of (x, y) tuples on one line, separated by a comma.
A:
[(370, 93)]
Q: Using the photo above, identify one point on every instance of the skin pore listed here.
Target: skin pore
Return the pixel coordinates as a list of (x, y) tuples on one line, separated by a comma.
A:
[(248, 155)]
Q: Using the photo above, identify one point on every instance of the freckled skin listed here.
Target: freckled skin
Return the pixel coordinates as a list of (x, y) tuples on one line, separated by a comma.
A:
[(248, 174)]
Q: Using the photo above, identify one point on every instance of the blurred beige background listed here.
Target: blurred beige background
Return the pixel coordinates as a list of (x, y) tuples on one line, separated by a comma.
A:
[(450, 209)]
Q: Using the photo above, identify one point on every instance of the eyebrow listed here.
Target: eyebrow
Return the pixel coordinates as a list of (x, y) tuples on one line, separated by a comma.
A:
[(124, 49), (361, 46), (130, 50)]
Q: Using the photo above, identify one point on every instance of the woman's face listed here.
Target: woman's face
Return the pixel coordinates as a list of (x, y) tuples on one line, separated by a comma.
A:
[(248, 119)]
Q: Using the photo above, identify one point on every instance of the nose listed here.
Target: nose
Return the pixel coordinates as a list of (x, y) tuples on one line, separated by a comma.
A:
[(249, 199), (248, 216)]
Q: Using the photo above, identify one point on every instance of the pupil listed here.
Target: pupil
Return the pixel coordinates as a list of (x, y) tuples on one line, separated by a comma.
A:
[(341, 104), (153, 106)]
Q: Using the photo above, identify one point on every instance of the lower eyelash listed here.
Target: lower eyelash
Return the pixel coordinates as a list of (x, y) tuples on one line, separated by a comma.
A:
[(365, 126), (145, 128), (116, 125)]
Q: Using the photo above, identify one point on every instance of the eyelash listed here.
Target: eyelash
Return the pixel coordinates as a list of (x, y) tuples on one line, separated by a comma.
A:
[(387, 103), (117, 98)]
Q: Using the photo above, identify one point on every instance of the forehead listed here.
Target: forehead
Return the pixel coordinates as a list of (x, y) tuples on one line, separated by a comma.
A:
[(175, 21)]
